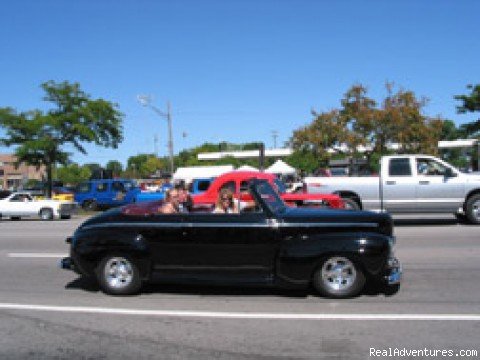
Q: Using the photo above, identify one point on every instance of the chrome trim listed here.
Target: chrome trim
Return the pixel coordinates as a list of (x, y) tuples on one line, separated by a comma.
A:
[(270, 223), (336, 225), (395, 273)]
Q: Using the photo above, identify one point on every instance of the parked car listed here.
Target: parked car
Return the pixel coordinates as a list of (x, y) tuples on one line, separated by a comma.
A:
[(58, 193), (103, 193), (336, 251), (408, 184), (21, 204)]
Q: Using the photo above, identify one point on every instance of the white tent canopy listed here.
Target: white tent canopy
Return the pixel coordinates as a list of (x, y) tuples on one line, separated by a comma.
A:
[(280, 167), (189, 173), (247, 168)]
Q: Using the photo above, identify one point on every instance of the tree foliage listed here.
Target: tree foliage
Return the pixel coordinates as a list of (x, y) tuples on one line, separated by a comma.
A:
[(361, 124), (115, 167), (73, 173), (74, 119), (470, 103)]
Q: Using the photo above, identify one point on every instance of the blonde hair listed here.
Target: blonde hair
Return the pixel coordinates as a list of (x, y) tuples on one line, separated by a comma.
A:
[(221, 195)]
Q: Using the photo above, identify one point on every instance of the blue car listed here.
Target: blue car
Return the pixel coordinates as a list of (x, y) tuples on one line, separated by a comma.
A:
[(104, 193)]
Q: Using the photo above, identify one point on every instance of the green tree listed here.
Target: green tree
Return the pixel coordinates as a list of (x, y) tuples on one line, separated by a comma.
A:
[(73, 173), (75, 119), (470, 103), (304, 161), (151, 165), (362, 122), (328, 130), (144, 165), (93, 167), (115, 167)]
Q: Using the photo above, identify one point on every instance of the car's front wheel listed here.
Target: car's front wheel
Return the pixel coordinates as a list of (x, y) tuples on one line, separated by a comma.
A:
[(118, 275), (46, 214), (338, 277)]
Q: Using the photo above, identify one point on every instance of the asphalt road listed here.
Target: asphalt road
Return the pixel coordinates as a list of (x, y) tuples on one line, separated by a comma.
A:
[(48, 313)]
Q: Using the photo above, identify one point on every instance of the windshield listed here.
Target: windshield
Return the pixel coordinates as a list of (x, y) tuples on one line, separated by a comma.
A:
[(270, 197)]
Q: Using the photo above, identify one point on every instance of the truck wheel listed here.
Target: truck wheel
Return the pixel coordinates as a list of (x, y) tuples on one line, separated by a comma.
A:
[(90, 205), (46, 214), (472, 209), (338, 277), (351, 204), (118, 275)]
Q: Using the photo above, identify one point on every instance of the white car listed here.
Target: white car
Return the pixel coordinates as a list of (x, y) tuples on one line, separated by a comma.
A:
[(21, 204)]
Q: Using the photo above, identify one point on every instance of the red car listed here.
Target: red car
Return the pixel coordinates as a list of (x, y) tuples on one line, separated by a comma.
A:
[(237, 182)]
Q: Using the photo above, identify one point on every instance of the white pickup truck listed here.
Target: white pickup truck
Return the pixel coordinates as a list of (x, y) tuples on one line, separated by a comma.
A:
[(408, 184)]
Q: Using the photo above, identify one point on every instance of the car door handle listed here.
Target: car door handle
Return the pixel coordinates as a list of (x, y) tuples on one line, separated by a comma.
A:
[(390, 182), (424, 182)]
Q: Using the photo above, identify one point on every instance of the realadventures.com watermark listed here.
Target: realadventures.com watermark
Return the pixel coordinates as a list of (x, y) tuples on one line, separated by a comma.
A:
[(404, 352)]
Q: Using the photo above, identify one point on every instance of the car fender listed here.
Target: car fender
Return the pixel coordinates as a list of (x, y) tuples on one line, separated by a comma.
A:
[(91, 245), (302, 254)]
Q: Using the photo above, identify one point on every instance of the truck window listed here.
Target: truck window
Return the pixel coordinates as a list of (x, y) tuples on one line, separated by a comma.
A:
[(430, 167), (83, 188), (101, 187), (203, 185), (399, 167), (244, 185), (117, 186)]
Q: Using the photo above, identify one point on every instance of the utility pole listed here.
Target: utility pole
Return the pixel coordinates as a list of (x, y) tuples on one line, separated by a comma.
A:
[(145, 100), (170, 137), (274, 135)]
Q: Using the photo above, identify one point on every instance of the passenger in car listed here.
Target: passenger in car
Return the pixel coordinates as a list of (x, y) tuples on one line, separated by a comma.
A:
[(185, 203), (172, 201), (225, 203)]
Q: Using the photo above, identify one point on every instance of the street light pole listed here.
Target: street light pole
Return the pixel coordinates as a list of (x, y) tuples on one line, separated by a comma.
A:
[(145, 100)]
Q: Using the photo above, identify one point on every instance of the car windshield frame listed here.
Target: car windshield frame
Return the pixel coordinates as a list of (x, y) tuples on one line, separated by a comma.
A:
[(281, 188), (266, 195)]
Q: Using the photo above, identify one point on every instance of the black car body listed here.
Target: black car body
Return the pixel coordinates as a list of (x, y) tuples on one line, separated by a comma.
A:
[(336, 251)]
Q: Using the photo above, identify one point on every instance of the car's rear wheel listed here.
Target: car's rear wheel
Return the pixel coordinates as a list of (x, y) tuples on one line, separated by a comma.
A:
[(90, 205), (46, 214), (351, 204), (118, 275), (338, 277), (472, 209)]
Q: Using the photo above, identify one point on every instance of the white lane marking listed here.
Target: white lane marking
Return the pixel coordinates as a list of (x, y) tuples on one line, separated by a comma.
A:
[(36, 255), (242, 315)]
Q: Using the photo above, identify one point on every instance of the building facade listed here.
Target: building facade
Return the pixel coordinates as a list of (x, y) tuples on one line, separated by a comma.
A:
[(12, 178)]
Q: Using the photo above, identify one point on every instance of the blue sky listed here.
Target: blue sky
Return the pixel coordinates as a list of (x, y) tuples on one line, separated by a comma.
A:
[(235, 70)]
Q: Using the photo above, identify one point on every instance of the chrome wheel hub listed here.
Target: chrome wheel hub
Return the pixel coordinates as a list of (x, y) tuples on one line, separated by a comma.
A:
[(338, 273), (118, 272), (476, 209)]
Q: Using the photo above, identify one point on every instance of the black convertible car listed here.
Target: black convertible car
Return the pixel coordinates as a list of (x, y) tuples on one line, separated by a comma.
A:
[(336, 251)]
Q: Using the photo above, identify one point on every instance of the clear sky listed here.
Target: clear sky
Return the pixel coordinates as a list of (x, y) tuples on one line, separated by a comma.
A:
[(235, 70)]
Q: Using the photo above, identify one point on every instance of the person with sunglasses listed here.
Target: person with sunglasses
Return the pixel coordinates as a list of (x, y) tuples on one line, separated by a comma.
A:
[(171, 204), (225, 203)]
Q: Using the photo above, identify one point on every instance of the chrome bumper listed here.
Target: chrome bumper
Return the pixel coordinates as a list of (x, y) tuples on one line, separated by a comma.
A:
[(394, 272)]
